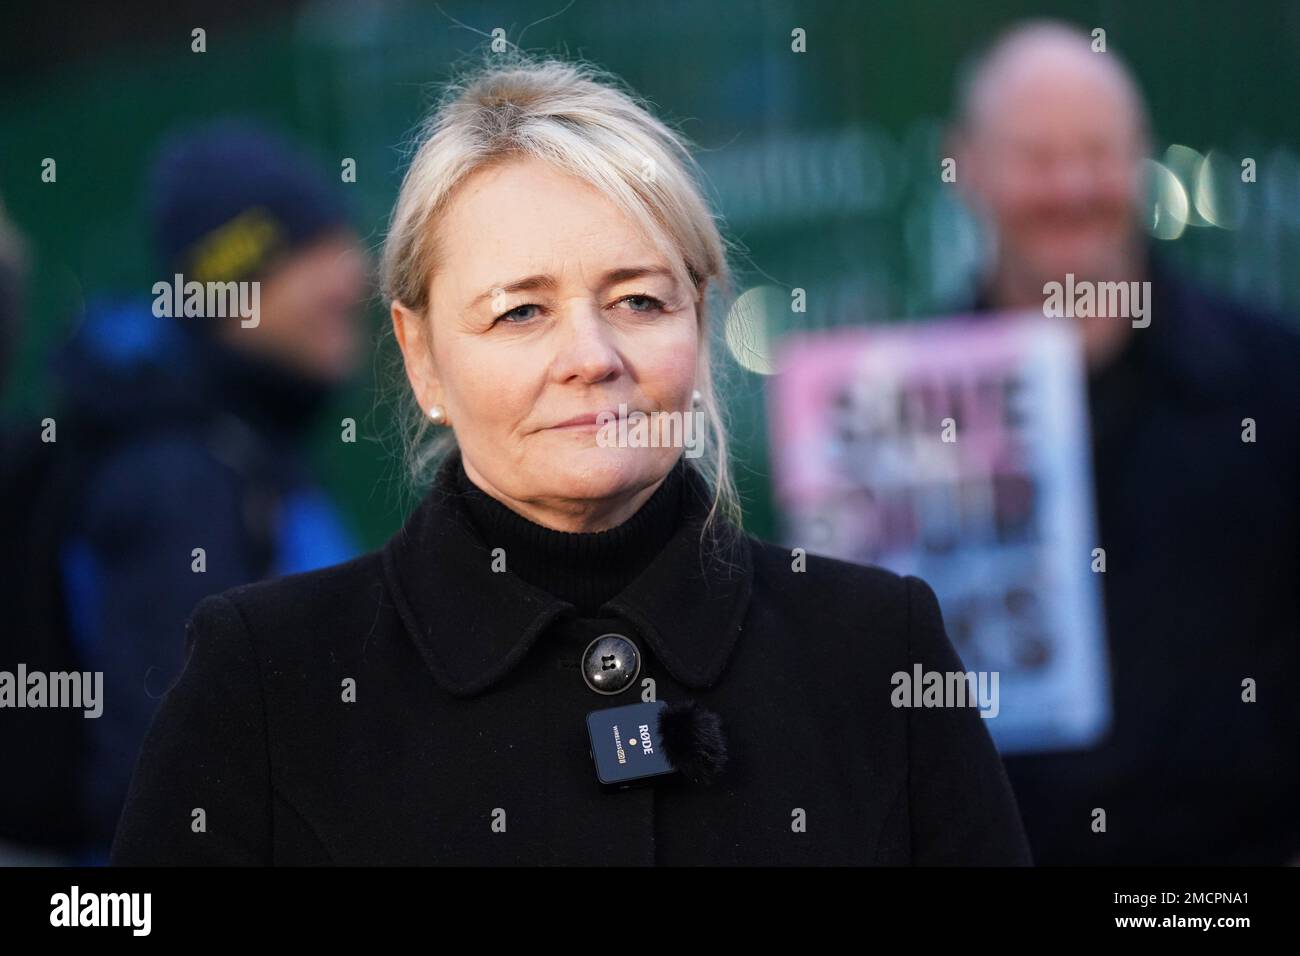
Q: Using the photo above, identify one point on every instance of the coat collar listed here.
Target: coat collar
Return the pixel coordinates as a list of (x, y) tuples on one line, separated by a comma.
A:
[(473, 625), (1190, 340)]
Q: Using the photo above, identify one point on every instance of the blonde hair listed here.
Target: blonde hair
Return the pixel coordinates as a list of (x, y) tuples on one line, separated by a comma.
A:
[(586, 124)]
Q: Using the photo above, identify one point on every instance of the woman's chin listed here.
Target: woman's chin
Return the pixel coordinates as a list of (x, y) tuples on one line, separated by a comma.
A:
[(603, 473)]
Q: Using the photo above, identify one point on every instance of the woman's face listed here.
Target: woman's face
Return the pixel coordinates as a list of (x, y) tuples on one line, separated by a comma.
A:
[(549, 307)]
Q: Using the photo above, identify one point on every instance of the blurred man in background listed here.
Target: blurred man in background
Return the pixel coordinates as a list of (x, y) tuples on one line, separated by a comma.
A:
[(181, 469), (1200, 526)]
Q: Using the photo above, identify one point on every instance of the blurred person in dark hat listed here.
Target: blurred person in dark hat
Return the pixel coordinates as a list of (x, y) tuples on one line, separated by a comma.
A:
[(186, 431), (1199, 526)]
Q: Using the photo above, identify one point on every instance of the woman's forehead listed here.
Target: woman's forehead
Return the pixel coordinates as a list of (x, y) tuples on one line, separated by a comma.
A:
[(529, 219), (531, 199)]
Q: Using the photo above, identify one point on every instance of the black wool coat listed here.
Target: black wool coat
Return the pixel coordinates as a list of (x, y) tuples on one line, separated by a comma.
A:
[(414, 706)]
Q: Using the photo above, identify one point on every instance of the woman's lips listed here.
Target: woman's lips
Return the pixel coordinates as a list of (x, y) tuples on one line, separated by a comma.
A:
[(583, 421), (590, 420)]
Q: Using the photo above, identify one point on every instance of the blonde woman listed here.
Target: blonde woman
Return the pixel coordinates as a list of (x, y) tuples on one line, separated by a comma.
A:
[(570, 653)]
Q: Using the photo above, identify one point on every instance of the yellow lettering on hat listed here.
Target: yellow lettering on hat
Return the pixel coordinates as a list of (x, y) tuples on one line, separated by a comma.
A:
[(236, 247)]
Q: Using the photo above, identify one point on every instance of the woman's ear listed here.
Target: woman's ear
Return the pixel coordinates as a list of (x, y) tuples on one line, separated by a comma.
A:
[(412, 336)]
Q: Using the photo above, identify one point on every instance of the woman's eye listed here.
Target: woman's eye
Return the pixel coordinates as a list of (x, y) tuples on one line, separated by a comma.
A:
[(520, 313), (642, 303)]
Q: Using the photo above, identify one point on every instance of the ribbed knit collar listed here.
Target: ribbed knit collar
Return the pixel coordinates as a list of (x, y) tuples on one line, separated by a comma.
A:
[(585, 569), (473, 625)]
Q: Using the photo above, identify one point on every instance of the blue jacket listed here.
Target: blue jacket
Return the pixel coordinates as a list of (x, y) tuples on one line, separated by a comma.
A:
[(196, 447)]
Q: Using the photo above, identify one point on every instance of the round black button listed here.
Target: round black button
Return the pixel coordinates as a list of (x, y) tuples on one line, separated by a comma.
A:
[(610, 664)]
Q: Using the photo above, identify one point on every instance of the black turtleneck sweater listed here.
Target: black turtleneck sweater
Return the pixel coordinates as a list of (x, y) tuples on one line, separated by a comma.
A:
[(585, 569)]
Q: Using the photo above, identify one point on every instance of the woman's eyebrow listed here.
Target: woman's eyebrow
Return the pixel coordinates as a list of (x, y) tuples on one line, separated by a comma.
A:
[(527, 284), (615, 276), (531, 283)]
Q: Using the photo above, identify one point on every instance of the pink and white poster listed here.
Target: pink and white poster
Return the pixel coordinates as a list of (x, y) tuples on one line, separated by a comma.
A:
[(958, 451)]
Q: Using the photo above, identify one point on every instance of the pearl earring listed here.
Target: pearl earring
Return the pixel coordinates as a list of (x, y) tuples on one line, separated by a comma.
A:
[(437, 414), (696, 398)]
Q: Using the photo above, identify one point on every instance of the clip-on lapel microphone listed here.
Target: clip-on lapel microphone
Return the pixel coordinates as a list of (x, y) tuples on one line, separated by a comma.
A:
[(637, 742)]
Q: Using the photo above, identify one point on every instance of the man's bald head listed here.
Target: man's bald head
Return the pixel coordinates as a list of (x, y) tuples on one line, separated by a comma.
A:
[(1024, 60), (1050, 140)]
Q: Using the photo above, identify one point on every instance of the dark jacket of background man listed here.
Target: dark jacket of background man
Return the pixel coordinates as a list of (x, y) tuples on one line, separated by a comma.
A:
[(1202, 537)]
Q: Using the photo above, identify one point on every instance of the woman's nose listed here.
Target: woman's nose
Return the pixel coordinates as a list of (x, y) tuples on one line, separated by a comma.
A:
[(586, 349)]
